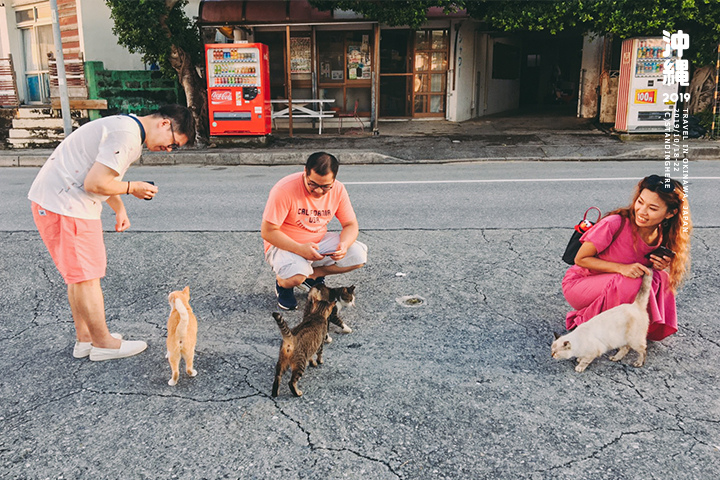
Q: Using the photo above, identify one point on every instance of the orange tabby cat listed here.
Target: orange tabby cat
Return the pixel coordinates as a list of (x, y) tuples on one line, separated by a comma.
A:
[(182, 334)]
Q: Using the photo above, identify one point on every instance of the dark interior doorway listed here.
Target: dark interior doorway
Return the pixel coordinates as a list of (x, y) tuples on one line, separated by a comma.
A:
[(395, 73), (550, 70)]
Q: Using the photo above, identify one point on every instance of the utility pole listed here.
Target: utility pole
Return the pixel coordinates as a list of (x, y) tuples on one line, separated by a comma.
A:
[(60, 62)]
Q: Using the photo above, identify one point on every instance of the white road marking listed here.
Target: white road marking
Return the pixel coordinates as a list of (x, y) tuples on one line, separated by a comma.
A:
[(512, 180)]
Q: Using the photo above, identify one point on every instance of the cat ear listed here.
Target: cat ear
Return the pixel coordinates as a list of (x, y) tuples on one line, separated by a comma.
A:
[(186, 290), (351, 288), (315, 294), (556, 335)]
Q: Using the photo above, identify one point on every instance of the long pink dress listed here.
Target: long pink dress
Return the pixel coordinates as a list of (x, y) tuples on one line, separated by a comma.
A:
[(591, 293)]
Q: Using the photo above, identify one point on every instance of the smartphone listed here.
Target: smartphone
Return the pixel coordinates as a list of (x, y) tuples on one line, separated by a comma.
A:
[(661, 252), (151, 183)]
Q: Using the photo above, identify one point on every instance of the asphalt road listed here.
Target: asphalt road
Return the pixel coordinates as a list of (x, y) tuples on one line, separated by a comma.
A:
[(462, 386), (441, 196)]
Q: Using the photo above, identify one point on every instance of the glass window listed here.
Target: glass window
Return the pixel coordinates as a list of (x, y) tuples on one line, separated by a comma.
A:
[(22, 16), (421, 83), (439, 61), (421, 62), (420, 102), (421, 40), (34, 93), (395, 96), (358, 62), (429, 81), (31, 56), (331, 57), (437, 103), (437, 82), (45, 44), (439, 39), (394, 51)]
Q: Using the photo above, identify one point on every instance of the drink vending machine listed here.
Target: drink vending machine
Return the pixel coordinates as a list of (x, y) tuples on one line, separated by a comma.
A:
[(644, 101), (238, 76)]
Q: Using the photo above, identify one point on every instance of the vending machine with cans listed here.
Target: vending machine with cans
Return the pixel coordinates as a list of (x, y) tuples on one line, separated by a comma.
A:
[(238, 89), (644, 101)]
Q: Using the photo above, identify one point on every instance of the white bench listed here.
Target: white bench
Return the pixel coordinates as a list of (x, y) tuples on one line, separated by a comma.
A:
[(300, 109)]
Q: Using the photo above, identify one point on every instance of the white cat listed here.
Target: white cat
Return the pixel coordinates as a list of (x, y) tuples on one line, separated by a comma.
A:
[(624, 327)]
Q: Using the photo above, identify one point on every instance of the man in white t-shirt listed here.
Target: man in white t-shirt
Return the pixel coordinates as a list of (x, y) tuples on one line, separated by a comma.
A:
[(84, 171)]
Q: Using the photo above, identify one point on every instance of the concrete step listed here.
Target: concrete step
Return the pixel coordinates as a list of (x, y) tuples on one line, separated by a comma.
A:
[(32, 133), (40, 111), (40, 123), (33, 142)]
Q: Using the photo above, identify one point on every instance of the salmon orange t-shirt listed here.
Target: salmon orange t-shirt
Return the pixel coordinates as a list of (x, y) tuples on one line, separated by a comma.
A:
[(301, 216)]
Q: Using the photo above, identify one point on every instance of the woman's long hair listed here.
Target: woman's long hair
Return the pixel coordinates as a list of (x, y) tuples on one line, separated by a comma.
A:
[(676, 230)]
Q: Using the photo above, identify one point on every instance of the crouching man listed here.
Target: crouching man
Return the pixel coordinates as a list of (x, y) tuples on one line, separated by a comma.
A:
[(294, 228)]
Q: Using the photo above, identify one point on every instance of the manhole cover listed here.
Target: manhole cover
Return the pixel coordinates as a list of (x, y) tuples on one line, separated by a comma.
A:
[(410, 300)]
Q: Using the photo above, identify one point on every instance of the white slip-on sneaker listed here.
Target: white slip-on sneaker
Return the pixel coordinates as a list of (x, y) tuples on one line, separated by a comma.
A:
[(127, 349), (82, 349)]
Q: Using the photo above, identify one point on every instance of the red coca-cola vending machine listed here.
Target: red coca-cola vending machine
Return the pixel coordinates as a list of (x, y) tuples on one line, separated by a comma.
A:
[(238, 76)]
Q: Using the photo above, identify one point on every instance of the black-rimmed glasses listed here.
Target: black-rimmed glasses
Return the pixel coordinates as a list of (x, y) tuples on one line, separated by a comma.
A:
[(314, 186), (174, 145)]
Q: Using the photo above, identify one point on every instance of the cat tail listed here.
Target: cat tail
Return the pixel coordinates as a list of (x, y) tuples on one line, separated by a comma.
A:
[(284, 329), (644, 293), (184, 318)]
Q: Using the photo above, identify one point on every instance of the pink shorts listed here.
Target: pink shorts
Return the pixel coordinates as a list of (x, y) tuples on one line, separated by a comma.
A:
[(76, 245)]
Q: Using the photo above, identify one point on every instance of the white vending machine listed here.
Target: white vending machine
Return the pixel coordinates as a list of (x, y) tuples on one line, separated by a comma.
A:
[(643, 98)]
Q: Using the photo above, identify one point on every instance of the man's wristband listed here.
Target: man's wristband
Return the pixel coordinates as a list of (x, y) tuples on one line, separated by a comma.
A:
[(128, 189)]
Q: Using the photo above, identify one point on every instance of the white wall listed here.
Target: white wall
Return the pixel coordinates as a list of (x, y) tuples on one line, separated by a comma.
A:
[(500, 95), (4, 38), (474, 85), (99, 43), (460, 100), (11, 43)]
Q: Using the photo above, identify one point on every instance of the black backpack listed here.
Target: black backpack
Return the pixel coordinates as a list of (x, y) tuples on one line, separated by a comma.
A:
[(574, 244)]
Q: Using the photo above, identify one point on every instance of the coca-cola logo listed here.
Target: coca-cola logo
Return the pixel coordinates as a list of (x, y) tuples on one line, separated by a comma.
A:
[(221, 97)]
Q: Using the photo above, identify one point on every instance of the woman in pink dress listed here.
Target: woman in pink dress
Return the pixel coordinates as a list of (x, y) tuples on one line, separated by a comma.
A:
[(616, 253)]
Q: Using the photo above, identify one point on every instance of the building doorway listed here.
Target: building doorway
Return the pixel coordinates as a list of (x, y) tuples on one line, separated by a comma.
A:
[(550, 71), (35, 28), (413, 73)]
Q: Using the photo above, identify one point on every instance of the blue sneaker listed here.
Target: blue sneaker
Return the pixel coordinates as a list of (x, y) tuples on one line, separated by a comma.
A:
[(309, 283), (286, 297)]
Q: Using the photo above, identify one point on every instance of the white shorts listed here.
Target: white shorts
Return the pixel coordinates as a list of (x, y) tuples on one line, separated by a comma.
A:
[(286, 264)]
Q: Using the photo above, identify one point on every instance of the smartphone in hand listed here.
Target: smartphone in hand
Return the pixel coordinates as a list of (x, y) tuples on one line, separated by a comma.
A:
[(661, 251), (151, 183)]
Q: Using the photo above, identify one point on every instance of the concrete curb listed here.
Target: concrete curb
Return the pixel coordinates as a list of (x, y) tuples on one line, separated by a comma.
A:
[(269, 157)]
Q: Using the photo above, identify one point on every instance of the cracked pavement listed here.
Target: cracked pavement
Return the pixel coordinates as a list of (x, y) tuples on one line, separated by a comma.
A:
[(462, 386)]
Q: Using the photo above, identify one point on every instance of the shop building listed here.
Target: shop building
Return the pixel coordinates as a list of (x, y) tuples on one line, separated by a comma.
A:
[(451, 68)]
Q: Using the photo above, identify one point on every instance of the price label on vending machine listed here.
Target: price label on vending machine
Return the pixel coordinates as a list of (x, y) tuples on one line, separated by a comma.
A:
[(645, 96)]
